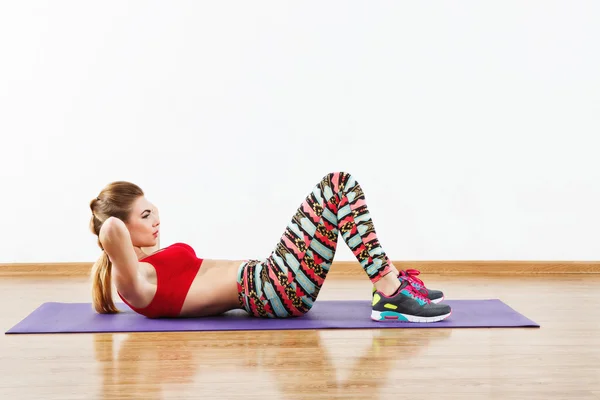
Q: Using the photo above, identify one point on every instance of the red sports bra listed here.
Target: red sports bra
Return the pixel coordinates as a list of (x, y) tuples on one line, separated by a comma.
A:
[(176, 267)]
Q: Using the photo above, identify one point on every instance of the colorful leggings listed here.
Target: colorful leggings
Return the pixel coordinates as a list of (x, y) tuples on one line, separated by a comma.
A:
[(287, 283)]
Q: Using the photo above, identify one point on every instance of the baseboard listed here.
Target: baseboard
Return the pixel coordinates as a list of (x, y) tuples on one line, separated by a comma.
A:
[(351, 269), (46, 269)]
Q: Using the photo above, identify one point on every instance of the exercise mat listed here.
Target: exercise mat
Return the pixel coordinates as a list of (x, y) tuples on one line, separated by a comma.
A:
[(354, 314)]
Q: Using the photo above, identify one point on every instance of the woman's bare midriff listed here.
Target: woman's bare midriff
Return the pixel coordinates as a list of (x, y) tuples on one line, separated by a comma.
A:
[(214, 290)]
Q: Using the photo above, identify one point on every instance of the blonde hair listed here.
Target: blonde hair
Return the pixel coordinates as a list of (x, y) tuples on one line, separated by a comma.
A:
[(115, 200)]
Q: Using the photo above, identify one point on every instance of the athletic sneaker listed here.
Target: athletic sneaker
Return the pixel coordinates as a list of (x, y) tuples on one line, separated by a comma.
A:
[(407, 305), (410, 275)]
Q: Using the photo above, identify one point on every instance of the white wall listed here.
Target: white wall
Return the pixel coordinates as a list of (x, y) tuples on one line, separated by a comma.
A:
[(471, 125)]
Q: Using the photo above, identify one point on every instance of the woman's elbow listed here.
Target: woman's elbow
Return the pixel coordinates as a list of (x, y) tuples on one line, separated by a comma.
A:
[(113, 228)]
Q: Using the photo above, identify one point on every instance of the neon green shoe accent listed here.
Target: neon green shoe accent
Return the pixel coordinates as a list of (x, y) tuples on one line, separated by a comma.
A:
[(376, 298), (391, 306)]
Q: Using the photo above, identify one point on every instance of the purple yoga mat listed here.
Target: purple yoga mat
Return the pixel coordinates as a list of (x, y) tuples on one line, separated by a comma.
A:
[(354, 314)]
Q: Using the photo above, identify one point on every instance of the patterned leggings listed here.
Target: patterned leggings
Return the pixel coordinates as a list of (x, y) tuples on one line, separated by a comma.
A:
[(287, 282)]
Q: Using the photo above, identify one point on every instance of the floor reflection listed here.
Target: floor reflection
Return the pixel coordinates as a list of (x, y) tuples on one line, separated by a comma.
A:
[(290, 364)]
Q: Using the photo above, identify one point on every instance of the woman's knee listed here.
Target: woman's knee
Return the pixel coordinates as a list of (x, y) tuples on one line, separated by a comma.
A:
[(339, 181), (333, 174)]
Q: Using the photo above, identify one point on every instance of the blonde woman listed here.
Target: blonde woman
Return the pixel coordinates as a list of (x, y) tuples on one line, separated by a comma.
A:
[(175, 282)]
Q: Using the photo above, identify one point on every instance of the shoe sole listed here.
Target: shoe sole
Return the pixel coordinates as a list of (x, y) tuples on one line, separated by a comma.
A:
[(391, 316)]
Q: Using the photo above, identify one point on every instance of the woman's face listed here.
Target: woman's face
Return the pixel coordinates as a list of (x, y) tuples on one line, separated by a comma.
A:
[(143, 223)]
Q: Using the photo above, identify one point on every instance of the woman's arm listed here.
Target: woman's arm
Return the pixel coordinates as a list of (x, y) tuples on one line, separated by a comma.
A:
[(116, 240)]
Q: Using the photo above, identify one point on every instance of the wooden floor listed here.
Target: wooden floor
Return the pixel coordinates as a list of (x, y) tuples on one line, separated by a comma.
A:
[(561, 360)]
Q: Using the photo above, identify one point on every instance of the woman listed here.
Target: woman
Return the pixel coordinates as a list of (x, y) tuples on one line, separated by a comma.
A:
[(174, 282)]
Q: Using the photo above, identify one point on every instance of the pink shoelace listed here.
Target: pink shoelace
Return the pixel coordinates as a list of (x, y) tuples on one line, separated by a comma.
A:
[(417, 293), (411, 276)]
